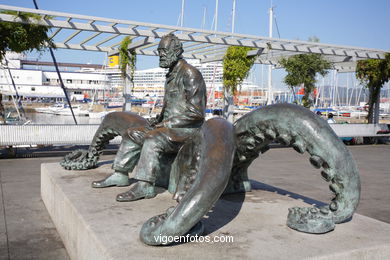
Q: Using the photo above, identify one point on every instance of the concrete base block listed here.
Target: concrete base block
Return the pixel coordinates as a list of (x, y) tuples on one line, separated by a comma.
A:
[(94, 226)]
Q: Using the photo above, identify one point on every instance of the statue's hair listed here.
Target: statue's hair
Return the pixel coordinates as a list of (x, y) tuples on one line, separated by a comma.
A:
[(177, 45)]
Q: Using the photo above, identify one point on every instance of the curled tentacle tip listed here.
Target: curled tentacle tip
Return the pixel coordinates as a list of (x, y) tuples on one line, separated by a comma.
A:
[(310, 220)]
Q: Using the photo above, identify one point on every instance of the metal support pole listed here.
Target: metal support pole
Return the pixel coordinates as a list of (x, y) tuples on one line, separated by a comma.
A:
[(270, 95), (233, 15), (182, 14), (59, 75), (216, 16), (204, 18)]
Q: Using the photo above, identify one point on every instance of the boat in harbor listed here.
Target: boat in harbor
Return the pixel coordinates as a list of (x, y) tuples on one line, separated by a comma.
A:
[(98, 115), (77, 111), (50, 109), (62, 109)]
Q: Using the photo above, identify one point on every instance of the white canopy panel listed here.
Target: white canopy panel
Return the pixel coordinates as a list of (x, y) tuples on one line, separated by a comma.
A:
[(80, 32)]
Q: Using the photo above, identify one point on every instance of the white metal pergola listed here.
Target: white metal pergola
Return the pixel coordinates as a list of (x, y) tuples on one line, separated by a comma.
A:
[(81, 32)]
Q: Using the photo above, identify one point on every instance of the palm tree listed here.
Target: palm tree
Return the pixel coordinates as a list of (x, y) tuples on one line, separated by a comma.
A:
[(128, 59)]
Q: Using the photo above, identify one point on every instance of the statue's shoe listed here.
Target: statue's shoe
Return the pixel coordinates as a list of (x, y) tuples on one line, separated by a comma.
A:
[(115, 179), (139, 190)]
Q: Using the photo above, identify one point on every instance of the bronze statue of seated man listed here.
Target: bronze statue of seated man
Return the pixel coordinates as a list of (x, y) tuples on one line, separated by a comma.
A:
[(143, 144)]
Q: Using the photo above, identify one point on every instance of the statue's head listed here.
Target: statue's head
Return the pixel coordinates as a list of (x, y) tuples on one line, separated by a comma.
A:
[(170, 50)]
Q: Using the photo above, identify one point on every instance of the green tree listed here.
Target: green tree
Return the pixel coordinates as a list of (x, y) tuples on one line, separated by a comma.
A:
[(236, 67), (302, 70), (128, 59), (374, 74), (18, 37)]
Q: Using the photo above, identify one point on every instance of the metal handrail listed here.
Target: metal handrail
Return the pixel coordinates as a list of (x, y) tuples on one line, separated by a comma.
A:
[(12, 135)]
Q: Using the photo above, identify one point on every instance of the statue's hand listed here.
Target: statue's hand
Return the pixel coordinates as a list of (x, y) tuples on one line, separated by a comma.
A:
[(138, 134)]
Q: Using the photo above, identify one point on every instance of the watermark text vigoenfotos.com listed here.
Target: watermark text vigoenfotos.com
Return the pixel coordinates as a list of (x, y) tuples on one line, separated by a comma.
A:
[(196, 238)]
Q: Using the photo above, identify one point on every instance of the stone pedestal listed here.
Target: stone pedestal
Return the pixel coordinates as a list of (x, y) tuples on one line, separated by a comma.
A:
[(94, 226)]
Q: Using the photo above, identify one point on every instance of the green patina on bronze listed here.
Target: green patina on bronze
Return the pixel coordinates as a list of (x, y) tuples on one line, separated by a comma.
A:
[(198, 161)]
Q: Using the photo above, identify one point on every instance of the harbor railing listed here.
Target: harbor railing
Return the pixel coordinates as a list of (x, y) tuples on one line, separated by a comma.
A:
[(17, 135)]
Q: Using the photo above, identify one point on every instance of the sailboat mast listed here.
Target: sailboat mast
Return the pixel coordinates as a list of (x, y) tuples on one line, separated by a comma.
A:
[(216, 16), (233, 15), (182, 13), (204, 18), (270, 96)]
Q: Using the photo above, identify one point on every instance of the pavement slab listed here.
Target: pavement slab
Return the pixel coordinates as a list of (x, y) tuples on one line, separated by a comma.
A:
[(3, 226), (30, 231), (94, 226)]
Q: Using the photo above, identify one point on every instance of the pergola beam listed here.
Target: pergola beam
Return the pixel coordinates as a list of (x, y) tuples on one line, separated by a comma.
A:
[(219, 57), (93, 36), (83, 47), (135, 45), (72, 36), (212, 58)]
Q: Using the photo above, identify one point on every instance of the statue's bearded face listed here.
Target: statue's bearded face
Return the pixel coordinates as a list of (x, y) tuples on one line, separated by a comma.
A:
[(168, 54)]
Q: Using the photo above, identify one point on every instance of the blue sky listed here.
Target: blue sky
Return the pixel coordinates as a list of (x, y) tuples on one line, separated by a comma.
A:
[(361, 23)]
